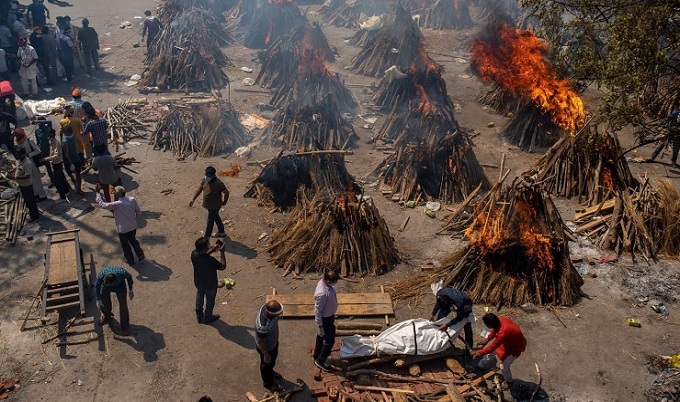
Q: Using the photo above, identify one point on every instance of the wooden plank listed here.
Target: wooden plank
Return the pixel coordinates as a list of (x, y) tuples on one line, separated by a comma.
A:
[(606, 205), (592, 224), (344, 310), (343, 298), (63, 306), (349, 304), (453, 392), (63, 267)]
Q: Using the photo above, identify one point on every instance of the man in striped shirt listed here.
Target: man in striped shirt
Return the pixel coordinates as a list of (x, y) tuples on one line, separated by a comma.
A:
[(325, 307), (113, 279)]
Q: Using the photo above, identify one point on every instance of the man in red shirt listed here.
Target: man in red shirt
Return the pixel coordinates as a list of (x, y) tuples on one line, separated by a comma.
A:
[(506, 339)]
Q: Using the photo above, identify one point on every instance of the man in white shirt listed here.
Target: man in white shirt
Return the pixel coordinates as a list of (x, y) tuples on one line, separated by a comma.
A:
[(126, 212), (28, 69)]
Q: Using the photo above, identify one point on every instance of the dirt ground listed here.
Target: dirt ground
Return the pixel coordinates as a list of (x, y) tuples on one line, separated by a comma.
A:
[(585, 353)]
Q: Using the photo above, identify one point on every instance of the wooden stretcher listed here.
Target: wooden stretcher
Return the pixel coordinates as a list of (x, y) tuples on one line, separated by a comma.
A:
[(66, 285)]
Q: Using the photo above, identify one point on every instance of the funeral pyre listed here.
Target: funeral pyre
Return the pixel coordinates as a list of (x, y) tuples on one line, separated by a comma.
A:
[(187, 54), (516, 61), (517, 253), (270, 20), (204, 129)]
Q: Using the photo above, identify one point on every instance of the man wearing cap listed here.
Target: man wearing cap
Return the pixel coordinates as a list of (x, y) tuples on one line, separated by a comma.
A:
[(325, 307), (205, 277), (126, 212), (23, 176), (28, 70), (152, 26), (267, 338), (77, 103), (89, 42), (69, 120)]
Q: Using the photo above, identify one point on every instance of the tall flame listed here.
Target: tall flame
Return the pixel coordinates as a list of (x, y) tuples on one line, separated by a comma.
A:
[(515, 59), (311, 60)]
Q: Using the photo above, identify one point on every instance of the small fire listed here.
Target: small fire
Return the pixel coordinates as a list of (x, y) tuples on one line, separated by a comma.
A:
[(515, 59), (270, 30), (311, 61), (424, 62), (607, 180)]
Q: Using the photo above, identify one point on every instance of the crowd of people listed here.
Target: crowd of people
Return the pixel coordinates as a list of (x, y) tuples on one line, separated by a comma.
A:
[(42, 53)]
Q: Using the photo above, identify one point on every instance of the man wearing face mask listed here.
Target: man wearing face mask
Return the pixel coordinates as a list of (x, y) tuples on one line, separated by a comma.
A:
[(325, 307), (28, 70), (215, 195)]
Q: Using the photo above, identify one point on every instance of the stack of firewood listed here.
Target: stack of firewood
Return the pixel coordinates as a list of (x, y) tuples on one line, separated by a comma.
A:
[(12, 217), (517, 252), (348, 13), (281, 60), (397, 43), (503, 101), (276, 187), (204, 129), (346, 226), (187, 54), (447, 14), (271, 20), (443, 169), (416, 124), (169, 10), (588, 166), (126, 120), (310, 125)]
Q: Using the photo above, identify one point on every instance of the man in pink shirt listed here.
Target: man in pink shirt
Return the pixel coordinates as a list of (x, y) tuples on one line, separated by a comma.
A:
[(126, 212)]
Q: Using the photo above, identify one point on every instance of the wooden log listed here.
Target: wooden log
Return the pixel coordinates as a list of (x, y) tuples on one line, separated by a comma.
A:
[(454, 394), (394, 377), (414, 370), (363, 332), (358, 325), (386, 389), (454, 366), (406, 360)]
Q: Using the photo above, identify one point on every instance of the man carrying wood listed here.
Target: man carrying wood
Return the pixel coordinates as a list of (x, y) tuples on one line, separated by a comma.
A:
[(113, 279), (267, 338), (205, 277), (506, 339), (448, 300), (325, 307), (215, 196)]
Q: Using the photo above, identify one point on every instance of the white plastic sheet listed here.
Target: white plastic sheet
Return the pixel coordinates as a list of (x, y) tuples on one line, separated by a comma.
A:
[(411, 337)]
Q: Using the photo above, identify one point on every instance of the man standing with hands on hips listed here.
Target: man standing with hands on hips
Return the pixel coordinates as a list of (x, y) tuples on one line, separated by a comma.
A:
[(325, 307)]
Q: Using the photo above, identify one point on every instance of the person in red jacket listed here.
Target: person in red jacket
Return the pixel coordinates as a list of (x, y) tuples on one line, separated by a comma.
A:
[(506, 339)]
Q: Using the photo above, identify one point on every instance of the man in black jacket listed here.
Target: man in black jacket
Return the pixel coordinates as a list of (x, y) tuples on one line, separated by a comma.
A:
[(89, 42), (448, 300)]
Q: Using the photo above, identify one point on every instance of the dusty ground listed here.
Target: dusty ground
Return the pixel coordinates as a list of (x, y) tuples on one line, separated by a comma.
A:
[(588, 354)]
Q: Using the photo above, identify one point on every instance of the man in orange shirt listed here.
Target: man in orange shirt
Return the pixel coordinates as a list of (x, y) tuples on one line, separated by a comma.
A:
[(506, 339)]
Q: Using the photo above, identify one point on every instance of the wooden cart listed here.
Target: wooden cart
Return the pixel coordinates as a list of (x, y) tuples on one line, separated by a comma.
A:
[(66, 285)]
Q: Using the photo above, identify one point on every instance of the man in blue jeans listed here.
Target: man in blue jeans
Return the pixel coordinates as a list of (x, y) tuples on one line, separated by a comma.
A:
[(215, 196), (205, 277)]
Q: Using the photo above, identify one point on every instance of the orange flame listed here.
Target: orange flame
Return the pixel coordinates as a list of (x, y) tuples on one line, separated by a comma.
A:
[(311, 61), (517, 63), (607, 179), (425, 105)]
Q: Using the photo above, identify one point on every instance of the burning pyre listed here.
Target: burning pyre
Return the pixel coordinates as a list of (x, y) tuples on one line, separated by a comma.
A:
[(447, 14), (277, 186), (515, 60), (397, 43), (517, 253), (348, 13), (334, 230), (206, 129), (272, 19), (443, 169), (187, 54), (281, 60), (314, 125)]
